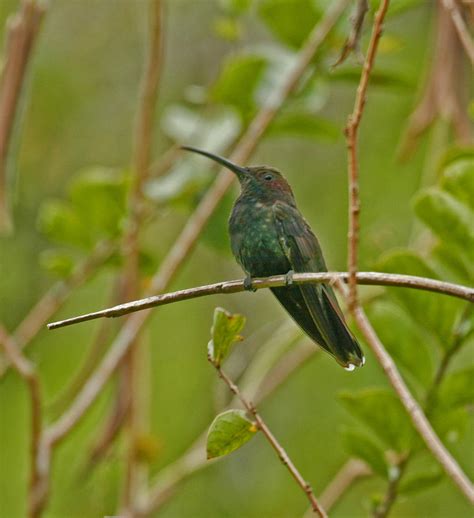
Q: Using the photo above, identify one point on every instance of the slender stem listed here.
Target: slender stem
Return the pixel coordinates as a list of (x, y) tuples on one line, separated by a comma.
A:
[(235, 286), (22, 30), (135, 476), (282, 454), (458, 21), (351, 132), (28, 372)]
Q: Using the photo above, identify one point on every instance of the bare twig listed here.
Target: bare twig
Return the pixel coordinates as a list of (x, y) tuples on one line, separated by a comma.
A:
[(55, 297), (418, 418), (282, 454), (466, 39), (190, 234), (351, 132), (28, 372), (129, 395), (22, 30), (235, 286), (353, 40)]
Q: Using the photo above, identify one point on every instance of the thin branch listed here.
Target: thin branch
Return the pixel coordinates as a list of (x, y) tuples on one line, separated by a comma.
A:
[(282, 454), (351, 132), (129, 398), (235, 286), (55, 297), (458, 21), (195, 225), (353, 40), (22, 30), (418, 418), (28, 372)]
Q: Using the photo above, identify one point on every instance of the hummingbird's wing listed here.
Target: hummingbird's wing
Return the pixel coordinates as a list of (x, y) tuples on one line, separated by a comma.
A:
[(304, 254)]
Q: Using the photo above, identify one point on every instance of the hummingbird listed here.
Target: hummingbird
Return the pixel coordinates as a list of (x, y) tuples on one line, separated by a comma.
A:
[(269, 236)]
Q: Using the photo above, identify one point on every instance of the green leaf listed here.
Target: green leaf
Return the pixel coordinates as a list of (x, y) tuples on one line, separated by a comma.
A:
[(403, 339), (228, 28), (449, 219), (290, 21), (238, 82), (435, 313), (458, 179), (225, 331), (457, 389), (98, 195), (417, 482), (235, 6), (381, 411), (450, 424), (303, 124), (60, 223), (362, 447), (228, 432), (57, 261), (378, 77), (453, 265)]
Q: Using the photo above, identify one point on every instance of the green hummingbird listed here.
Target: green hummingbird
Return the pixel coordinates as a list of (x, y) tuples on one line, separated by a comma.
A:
[(269, 236)]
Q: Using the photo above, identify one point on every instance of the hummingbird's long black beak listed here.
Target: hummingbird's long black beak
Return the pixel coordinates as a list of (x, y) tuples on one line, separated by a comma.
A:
[(241, 172)]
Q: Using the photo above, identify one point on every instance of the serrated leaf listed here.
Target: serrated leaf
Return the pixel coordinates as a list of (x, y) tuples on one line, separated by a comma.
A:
[(56, 261), (449, 219), (225, 331), (228, 432), (98, 196), (458, 180), (403, 339), (290, 21), (238, 82), (457, 389), (60, 223), (435, 313), (303, 124), (364, 448), (417, 482), (381, 411)]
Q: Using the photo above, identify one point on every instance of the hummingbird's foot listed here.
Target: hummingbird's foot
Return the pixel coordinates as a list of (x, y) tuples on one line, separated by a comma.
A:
[(248, 284), (289, 278)]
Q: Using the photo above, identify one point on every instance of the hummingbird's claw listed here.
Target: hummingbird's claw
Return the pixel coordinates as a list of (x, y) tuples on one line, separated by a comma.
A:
[(248, 284), (289, 278)]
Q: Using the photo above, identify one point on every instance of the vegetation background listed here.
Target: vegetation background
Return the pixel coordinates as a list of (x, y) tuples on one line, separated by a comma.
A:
[(68, 170)]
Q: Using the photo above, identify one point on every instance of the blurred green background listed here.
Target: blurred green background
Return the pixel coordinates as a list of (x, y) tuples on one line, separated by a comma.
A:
[(78, 112)]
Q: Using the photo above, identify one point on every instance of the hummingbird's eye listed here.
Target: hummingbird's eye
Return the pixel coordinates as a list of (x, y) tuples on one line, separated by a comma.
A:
[(268, 177)]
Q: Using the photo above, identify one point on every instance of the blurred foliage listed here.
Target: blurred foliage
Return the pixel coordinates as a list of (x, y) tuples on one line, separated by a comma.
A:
[(223, 61)]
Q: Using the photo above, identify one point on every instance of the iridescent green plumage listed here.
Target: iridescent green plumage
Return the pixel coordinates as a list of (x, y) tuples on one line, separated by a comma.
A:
[(269, 236)]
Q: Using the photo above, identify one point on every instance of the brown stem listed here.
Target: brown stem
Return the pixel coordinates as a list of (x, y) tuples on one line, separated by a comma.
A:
[(22, 30), (351, 132), (458, 21), (282, 454), (28, 372), (235, 286)]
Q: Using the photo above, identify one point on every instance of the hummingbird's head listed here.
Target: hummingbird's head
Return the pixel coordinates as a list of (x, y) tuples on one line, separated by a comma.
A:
[(260, 180)]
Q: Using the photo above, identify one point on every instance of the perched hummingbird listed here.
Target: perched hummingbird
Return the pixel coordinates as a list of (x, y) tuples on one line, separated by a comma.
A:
[(269, 236)]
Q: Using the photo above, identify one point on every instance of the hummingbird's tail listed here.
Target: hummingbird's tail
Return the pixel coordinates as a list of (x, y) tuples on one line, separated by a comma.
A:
[(315, 309)]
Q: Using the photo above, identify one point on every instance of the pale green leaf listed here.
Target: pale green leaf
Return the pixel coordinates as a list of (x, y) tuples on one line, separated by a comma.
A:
[(225, 331), (228, 432), (381, 411), (403, 339), (417, 482), (303, 124), (290, 21), (457, 389), (458, 179), (363, 447)]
